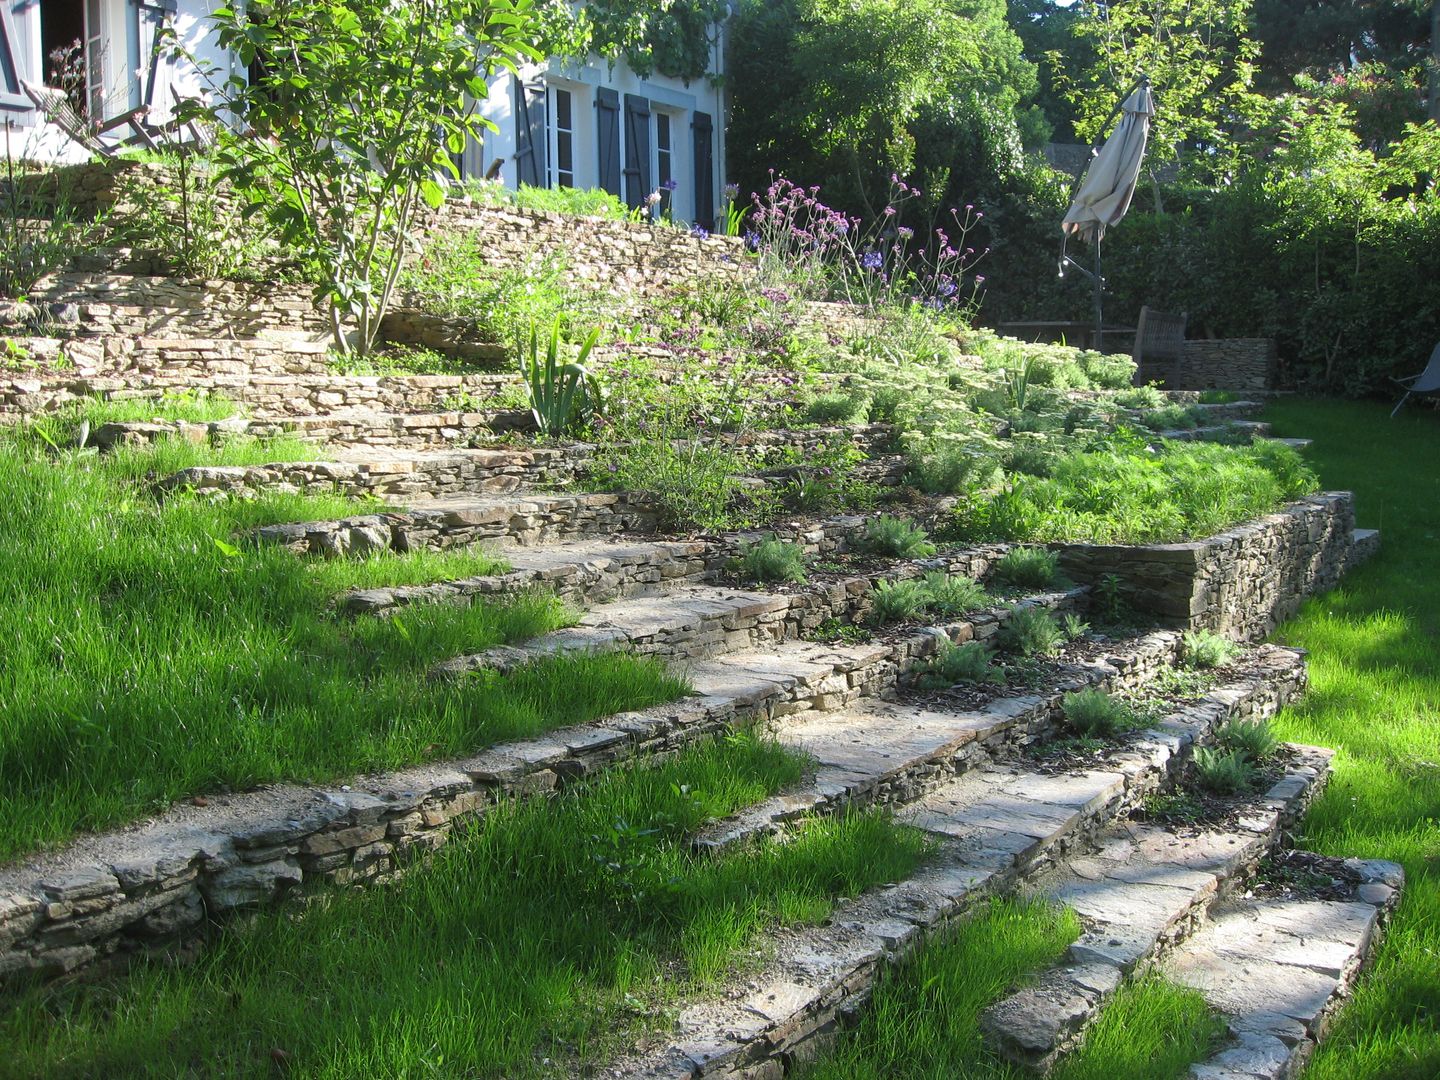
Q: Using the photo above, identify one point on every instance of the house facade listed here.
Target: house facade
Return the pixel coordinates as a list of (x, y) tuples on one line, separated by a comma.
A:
[(557, 124)]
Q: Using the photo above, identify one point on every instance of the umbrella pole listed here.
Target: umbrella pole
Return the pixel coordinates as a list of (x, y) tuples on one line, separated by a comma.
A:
[(1098, 342)]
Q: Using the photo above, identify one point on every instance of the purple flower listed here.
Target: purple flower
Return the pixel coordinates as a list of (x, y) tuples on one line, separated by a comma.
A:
[(872, 260), (979, 281), (889, 211), (670, 185), (904, 232), (731, 192), (699, 232)]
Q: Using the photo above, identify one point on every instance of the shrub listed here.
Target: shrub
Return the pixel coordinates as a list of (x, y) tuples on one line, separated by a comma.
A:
[(1172, 418), (1073, 626), (948, 594), (1224, 772), (1031, 568), (1096, 714), (950, 467), (896, 601), (1256, 739), (968, 663), (1206, 649), (896, 537), (696, 483), (561, 395), (773, 560), (1032, 631), (840, 408)]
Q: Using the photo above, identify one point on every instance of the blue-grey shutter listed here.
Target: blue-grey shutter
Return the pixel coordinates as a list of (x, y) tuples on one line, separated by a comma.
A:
[(529, 133), (703, 130), (607, 138), (158, 93), (12, 53), (637, 150)]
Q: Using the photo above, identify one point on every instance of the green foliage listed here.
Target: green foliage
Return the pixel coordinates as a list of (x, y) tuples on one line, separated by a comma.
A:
[(1096, 714), (39, 230), (1206, 649), (953, 594), (1256, 739), (1073, 626), (895, 537), (838, 408), (1107, 597), (773, 559), (1032, 632), (1133, 497), (572, 202), (972, 662), (950, 466), (897, 601), (1028, 568), (343, 184), (1224, 772), (561, 395), (1173, 418)]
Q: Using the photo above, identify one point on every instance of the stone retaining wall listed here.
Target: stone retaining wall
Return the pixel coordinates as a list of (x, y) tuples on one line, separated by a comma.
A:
[(1226, 364), (1242, 582), (265, 396)]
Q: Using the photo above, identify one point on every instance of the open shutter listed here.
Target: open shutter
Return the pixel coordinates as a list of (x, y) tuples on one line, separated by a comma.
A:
[(14, 55), (607, 138), (637, 150), (529, 133), (704, 131), (157, 92)]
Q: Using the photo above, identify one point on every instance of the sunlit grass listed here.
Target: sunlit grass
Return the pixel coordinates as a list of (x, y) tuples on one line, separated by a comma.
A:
[(151, 653), (550, 930)]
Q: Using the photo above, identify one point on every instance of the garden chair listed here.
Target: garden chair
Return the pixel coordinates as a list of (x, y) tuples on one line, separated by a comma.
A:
[(1427, 382), (1159, 344), (56, 106)]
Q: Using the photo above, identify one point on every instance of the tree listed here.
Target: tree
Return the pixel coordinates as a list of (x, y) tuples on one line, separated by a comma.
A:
[(352, 119), (1195, 52)]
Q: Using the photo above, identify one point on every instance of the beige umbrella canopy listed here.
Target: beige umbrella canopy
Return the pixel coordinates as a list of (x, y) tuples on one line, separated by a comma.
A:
[(1104, 195), (1109, 183)]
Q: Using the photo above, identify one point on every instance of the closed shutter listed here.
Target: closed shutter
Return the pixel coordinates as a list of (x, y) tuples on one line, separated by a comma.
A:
[(158, 51), (637, 150), (14, 50), (607, 138), (529, 133), (704, 131)]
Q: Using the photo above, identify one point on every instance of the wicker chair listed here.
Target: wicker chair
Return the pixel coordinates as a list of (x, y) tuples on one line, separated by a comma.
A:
[(1159, 347)]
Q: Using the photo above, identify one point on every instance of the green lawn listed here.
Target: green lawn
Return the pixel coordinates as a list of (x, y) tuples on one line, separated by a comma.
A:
[(1375, 696)]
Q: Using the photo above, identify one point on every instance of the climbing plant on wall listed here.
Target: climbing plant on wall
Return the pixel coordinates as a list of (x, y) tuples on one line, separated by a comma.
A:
[(669, 37)]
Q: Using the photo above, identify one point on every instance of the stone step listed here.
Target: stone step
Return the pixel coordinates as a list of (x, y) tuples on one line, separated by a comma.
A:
[(1366, 546), (696, 620), (349, 428), (150, 885), (994, 826), (1146, 888), (1296, 444), (1253, 429), (176, 357), (1278, 967), (257, 395), (890, 753)]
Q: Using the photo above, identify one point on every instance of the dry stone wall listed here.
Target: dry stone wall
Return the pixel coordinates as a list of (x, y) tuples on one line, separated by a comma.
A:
[(1242, 582), (1227, 364)]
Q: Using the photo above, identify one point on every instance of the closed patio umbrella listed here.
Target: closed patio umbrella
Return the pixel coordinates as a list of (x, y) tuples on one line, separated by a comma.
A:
[(1109, 184)]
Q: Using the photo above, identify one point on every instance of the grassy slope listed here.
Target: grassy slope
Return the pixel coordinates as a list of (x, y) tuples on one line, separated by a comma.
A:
[(148, 657), (1375, 695)]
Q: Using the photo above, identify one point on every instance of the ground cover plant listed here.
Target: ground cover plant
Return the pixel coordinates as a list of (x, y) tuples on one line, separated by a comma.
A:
[(543, 937), (153, 654)]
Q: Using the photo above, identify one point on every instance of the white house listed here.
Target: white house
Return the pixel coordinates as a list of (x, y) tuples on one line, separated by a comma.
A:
[(563, 123)]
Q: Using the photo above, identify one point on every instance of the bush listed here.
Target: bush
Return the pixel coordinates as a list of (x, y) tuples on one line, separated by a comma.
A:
[(1032, 631), (897, 601), (1073, 626), (1028, 568), (951, 467), (1256, 739), (968, 663), (896, 537), (1096, 714), (773, 560), (841, 408), (1206, 649), (1224, 772), (948, 594)]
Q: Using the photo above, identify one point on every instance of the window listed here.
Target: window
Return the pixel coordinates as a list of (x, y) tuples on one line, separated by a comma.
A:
[(664, 160), (562, 108)]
